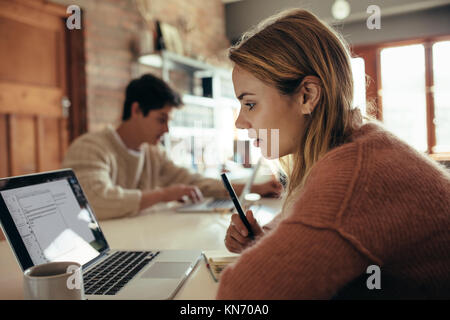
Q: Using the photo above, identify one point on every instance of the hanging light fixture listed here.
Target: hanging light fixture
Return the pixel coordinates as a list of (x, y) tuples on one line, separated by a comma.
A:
[(340, 9)]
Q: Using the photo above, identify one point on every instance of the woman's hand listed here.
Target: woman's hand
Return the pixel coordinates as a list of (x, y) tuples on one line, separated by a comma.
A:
[(179, 191), (237, 238)]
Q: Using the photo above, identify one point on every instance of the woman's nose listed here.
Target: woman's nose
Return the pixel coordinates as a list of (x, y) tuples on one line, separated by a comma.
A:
[(241, 122)]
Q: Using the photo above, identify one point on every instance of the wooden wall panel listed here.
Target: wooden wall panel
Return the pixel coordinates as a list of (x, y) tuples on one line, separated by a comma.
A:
[(37, 13), (30, 57), (23, 145), (4, 161), (18, 98), (33, 80), (64, 137), (49, 155)]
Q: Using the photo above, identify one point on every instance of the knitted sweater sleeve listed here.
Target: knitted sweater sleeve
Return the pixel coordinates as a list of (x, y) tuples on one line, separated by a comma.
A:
[(313, 265), (306, 256), (90, 162)]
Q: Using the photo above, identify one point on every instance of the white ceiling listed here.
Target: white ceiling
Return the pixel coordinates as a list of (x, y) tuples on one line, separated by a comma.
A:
[(322, 8), (241, 15)]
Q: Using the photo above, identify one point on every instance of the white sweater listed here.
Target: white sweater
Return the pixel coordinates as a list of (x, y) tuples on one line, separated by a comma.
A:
[(113, 178)]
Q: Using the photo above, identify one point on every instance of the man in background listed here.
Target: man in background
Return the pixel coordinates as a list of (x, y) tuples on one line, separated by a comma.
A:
[(123, 170)]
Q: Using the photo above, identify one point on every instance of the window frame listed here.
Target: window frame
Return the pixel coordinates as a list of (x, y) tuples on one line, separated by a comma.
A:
[(371, 55)]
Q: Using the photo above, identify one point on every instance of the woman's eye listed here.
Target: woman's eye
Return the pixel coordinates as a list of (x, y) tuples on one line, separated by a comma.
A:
[(250, 105)]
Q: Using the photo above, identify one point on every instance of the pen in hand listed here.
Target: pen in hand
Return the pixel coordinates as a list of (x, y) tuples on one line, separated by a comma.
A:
[(237, 205)]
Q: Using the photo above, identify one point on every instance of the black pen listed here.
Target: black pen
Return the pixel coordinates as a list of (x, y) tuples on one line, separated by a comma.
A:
[(237, 204)]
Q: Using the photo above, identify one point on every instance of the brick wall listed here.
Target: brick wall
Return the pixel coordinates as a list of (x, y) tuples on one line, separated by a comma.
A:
[(112, 26)]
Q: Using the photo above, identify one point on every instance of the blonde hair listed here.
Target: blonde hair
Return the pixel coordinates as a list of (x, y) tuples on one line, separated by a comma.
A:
[(284, 49)]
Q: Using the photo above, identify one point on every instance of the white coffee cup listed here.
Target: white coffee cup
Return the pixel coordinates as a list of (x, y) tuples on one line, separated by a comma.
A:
[(54, 281)]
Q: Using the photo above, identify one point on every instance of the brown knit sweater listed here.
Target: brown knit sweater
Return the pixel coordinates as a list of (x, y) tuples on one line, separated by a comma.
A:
[(371, 201)]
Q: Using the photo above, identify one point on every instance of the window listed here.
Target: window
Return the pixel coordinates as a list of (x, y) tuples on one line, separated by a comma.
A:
[(359, 84), (403, 93), (410, 83), (441, 72)]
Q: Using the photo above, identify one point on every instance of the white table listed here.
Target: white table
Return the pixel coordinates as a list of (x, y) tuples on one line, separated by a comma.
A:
[(158, 228)]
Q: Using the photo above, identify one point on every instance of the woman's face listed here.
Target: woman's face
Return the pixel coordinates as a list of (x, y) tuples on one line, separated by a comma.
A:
[(265, 112)]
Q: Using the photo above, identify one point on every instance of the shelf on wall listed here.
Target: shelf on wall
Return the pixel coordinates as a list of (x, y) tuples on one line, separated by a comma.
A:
[(206, 121), (173, 60), (219, 84), (179, 131), (199, 101)]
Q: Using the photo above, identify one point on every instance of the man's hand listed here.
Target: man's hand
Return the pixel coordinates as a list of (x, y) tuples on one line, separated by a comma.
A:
[(178, 191), (270, 189)]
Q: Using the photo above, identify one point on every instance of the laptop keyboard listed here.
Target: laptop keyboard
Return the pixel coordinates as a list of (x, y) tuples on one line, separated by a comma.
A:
[(219, 203), (111, 275)]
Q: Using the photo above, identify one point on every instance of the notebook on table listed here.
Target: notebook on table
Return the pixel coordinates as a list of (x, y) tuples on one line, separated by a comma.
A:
[(46, 217), (217, 260)]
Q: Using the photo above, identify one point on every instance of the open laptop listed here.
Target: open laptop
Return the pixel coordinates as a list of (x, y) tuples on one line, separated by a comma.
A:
[(221, 205), (46, 217)]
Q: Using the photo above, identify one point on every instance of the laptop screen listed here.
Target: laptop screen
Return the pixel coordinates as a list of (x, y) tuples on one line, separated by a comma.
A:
[(47, 218), (249, 184)]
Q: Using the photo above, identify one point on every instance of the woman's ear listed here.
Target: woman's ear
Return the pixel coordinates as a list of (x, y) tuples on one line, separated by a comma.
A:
[(310, 93)]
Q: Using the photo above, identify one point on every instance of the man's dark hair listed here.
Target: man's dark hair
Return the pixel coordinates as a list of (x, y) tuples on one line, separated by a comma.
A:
[(151, 93)]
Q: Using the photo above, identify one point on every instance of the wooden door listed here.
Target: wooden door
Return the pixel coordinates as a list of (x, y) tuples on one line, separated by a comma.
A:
[(33, 128)]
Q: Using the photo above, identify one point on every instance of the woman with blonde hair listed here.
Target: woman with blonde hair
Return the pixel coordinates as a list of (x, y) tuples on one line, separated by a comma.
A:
[(365, 215)]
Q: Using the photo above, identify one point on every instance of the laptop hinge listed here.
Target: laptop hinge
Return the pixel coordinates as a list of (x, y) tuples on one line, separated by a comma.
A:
[(99, 257)]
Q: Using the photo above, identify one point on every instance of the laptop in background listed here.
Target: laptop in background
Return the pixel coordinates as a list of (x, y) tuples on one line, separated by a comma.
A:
[(46, 217), (221, 205)]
